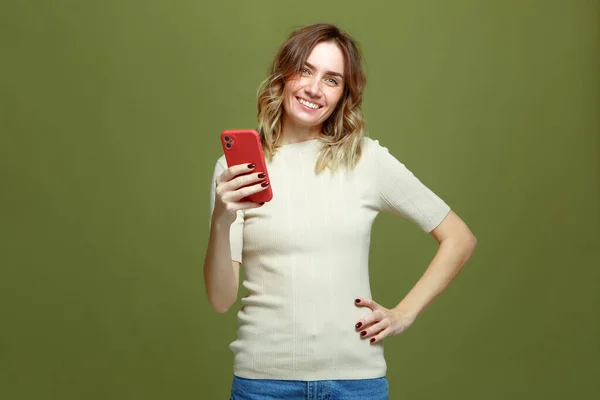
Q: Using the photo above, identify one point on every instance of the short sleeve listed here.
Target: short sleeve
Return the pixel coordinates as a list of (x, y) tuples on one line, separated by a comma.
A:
[(400, 192), (236, 234)]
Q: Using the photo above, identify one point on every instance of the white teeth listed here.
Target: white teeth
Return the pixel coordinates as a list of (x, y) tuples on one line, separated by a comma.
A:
[(308, 104)]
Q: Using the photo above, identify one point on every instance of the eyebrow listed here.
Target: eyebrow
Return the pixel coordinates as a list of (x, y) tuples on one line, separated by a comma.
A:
[(326, 72)]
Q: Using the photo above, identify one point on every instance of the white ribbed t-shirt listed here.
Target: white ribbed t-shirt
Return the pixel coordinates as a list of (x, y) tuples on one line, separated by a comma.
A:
[(305, 259)]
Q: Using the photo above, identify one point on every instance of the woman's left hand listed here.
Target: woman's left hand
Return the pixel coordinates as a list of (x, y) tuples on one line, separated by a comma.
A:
[(381, 322)]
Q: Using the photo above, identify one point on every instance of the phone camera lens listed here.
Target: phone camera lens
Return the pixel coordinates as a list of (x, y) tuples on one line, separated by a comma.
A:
[(227, 138), (228, 145)]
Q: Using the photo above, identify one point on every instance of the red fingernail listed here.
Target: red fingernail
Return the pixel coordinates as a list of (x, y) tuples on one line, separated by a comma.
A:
[(372, 340), (357, 301), (363, 333), (358, 325), (251, 166), (264, 184), (261, 203)]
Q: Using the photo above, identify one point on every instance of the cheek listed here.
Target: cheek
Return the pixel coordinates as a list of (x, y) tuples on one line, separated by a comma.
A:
[(334, 98), (291, 87), (288, 96)]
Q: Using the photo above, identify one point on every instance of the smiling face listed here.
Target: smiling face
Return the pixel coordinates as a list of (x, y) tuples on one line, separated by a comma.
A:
[(311, 96)]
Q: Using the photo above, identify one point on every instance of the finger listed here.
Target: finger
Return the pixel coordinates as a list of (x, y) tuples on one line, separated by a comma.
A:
[(234, 171), (246, 205), (228, 191), (369, 319), (244, 180), (248, 191), (364, 302), (374, 329), (234, 207), (380, 336)]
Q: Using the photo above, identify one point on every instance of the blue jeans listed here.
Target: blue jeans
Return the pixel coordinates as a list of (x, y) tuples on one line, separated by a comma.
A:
[(273, 389)]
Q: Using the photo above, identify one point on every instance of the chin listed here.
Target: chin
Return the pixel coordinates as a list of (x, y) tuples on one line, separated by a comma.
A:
[(307, 122)]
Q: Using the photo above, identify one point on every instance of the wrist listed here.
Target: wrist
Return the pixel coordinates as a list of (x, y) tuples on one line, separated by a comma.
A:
[(223, 220), (406, 312)]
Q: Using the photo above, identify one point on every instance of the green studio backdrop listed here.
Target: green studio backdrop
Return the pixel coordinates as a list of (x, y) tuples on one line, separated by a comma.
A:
[(109, 120)]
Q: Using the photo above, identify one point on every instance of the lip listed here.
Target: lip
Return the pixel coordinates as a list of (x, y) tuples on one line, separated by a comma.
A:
[(306, 108)]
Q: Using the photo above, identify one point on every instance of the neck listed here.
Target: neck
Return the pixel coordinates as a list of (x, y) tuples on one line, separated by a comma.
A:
[(292, 132)]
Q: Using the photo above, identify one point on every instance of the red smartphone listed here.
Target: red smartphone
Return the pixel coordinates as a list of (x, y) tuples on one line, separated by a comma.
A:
[(243, 146)]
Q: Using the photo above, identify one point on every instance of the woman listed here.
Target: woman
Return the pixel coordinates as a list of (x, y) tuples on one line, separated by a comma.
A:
[(308, 326)]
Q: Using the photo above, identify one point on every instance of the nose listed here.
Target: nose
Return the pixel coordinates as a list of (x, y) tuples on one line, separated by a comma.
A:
[(313, 87)]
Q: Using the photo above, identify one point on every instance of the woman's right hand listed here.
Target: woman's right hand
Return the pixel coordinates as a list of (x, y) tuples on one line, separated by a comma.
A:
[(230, 191)]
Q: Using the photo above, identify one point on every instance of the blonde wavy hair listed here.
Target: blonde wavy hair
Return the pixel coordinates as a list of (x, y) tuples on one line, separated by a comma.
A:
[(343, 130)]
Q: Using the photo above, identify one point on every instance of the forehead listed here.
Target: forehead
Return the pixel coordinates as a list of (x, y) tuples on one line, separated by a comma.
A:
[(327, 56)]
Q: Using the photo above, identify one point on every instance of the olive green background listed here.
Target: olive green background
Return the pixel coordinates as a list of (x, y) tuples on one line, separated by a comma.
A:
[(110, 114)]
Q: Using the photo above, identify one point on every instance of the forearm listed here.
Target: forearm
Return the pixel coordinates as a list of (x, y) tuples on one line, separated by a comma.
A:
[(221, 278), (451, 256)]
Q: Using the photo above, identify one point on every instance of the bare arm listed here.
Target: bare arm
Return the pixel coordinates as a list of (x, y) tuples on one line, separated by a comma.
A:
[(457, 244), (221, 273)]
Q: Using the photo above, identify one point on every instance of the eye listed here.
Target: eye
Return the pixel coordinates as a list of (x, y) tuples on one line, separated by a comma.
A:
[(332, 81), (305, 71)]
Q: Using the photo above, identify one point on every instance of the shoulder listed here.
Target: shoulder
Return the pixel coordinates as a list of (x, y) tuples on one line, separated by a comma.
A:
[(220, 165), (372, 148), (221, 162), (370, 144), (377, 156)]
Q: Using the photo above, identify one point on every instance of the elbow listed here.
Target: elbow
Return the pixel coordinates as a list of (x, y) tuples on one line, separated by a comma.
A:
[(473, 242), (464, 244), (465, 240), (469, 243), (470, 246), (220, 309), (220, 306), (220, 297)]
